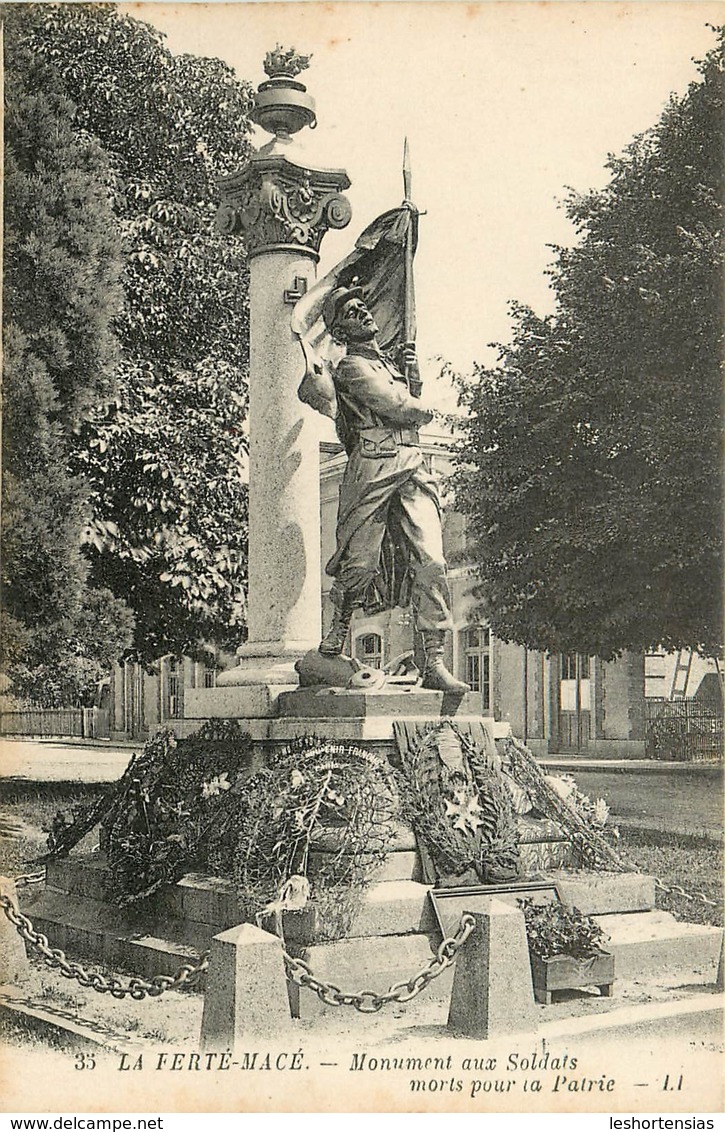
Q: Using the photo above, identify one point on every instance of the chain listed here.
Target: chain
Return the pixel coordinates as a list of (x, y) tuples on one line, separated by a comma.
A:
[(678, 890), (54, 957), (29, 878), (365, 1001), (369, 1002)]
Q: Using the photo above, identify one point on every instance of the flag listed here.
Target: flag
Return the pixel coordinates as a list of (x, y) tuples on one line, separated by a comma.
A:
[(378, 264)]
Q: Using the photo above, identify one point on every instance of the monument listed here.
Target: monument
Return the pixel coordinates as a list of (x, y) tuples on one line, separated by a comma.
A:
[(389, 527), (361, 872)]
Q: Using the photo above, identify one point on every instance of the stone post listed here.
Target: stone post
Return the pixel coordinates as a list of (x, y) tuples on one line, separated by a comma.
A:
[(283, 207), (13, 960), (246, 990), (492, 992)]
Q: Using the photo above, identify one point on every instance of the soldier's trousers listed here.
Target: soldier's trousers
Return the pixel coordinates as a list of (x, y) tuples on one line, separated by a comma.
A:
[(410, 515)]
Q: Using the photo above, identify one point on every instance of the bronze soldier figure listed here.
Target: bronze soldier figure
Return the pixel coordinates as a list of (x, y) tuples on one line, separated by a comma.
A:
[(389, 540)]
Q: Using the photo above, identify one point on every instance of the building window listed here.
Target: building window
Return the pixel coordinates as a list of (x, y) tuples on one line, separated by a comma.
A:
[(569, 667), (575, 677), (209, 678), (655, 675), (174, 689), (477, 662), (369, 649)]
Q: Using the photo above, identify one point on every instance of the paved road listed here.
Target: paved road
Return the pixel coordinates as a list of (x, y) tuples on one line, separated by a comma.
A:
[(48, 760)]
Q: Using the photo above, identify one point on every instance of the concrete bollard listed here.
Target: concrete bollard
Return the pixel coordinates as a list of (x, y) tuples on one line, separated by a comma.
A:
[(492, 990), (13, 960), (246, 987)]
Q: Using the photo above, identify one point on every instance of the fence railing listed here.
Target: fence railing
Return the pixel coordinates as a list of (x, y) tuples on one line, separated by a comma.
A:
[(74, 723), (682, 731)]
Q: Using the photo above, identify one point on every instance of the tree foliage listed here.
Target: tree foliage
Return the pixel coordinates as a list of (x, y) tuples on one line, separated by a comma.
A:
[(588, 470), (61, 294), (163, 458)]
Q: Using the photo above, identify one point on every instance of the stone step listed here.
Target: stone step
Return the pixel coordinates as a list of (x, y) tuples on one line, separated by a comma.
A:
[(97, 931), (646, 944), (197, 896), (393, 937), (393, 702), (207, 900), (601, 893), (393, 907), (356, 965), (403, 865)]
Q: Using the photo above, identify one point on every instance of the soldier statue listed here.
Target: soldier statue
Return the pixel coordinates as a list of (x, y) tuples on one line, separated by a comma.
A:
[(389, 538)]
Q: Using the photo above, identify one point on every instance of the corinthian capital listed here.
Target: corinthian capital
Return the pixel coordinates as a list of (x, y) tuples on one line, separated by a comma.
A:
[(276, 205)]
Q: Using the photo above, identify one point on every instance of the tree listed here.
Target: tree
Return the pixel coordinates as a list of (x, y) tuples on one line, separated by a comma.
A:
[(588, 469), (164, 458), (61, 293)]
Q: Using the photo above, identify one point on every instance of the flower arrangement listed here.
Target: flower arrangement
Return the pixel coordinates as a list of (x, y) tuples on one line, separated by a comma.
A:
[(596, 814), (459, 806), (592, 850), (169, 806), (555, 929), (310, 827)]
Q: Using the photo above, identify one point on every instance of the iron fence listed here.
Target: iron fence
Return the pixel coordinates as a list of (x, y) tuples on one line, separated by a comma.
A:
[(682, 731)]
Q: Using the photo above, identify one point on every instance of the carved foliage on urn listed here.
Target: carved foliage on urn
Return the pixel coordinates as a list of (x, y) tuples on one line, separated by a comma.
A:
[(278, 207)]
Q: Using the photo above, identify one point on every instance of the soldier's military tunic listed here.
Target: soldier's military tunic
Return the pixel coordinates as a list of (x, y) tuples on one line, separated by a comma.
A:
[(389, 541)]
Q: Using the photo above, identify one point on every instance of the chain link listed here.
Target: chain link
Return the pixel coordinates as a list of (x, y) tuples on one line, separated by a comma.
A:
[(55, 958), (26, 879), (678, 890), (369, 1002)]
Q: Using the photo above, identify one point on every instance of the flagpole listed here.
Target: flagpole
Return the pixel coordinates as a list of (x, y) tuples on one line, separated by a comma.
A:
[(412, 372)]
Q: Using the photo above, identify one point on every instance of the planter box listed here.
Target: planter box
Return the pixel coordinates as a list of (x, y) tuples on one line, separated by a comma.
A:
[(563, 972)]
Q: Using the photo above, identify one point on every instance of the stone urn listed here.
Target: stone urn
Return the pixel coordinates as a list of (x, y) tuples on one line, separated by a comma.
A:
[(282, 105)]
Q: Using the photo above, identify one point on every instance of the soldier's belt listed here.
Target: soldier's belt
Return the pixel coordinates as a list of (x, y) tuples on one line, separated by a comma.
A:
[(377, 443)]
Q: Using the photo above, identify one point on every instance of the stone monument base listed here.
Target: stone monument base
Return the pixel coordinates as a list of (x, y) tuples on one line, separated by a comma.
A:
[(394, 932), (278, 713), (393, 936)]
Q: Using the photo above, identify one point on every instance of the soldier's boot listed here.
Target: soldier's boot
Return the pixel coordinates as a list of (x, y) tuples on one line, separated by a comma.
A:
[(436, 676), (334, 640)]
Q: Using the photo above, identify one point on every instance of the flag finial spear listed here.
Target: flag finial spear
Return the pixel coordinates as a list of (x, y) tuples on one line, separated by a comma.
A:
[(407, 175)]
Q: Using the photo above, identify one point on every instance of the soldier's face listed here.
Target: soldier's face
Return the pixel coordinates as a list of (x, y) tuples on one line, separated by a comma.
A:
[(355, 322)]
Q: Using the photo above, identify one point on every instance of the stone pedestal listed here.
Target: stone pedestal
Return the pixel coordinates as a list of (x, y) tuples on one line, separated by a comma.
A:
[(281, 713)]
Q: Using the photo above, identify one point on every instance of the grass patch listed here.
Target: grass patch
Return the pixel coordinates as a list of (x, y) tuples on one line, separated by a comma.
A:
[(26, 816), (694, 863)]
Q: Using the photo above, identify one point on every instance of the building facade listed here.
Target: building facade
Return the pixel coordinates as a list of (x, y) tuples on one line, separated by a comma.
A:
[(143, 699)]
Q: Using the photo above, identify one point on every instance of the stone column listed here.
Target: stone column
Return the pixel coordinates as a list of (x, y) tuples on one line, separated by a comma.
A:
[(284, 209)]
